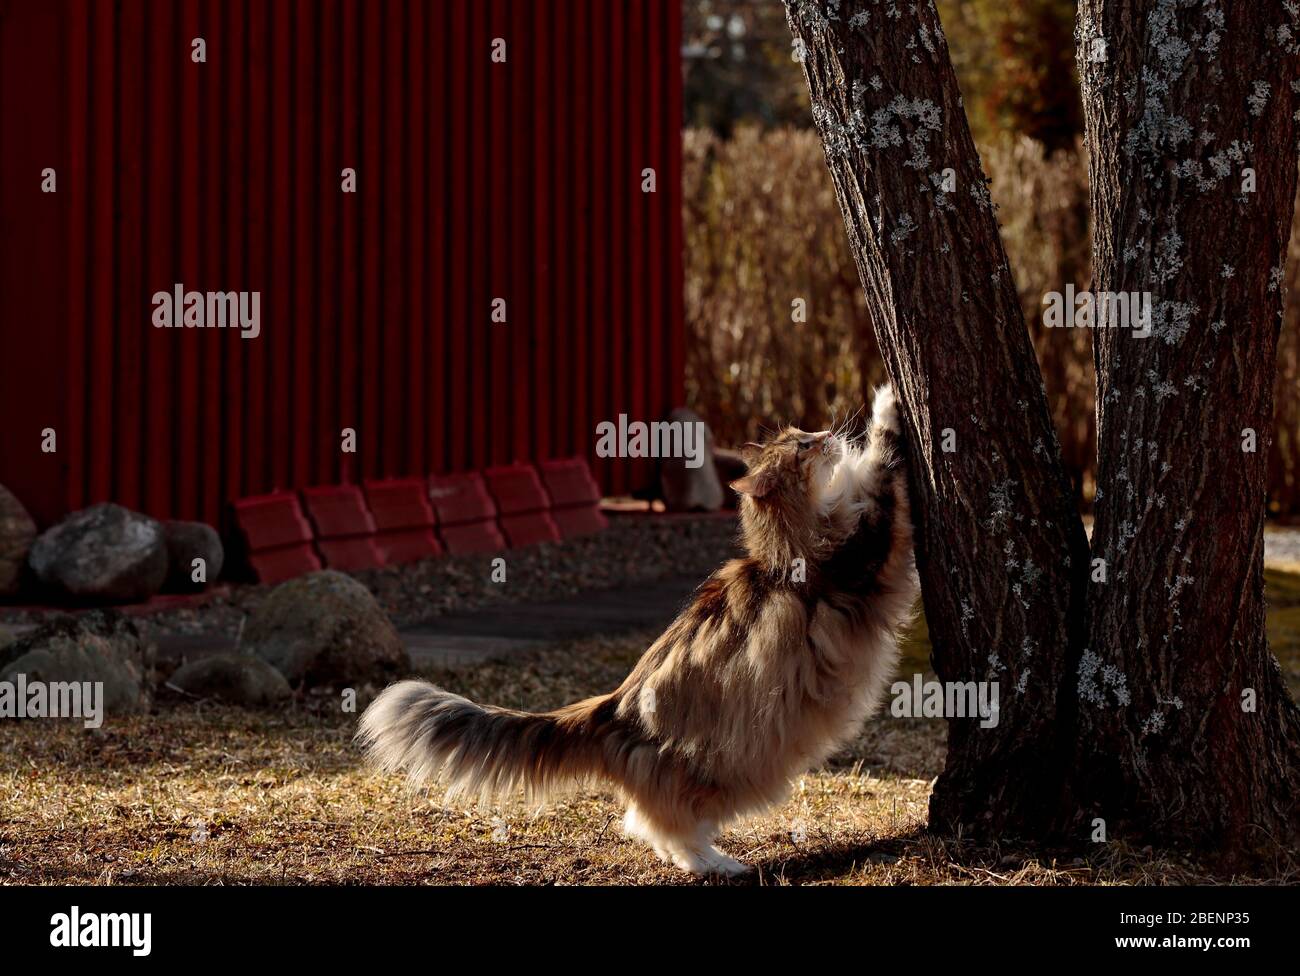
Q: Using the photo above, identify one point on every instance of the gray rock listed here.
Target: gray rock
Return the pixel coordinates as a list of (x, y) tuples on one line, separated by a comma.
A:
[(240, 679), (99, 646), (104, 553), (17, 531), (690, 489), (326, 629), (187, 541)]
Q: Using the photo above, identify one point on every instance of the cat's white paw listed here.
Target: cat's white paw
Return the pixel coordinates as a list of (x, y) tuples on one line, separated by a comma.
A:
[(705, 860), (884, 410), (728, 867)]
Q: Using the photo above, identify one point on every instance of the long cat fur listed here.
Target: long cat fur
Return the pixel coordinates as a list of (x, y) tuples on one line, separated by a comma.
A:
[(761, 677)]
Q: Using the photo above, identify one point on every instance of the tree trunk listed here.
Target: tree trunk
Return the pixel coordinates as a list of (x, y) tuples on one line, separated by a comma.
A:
[(1187, 731), (1000, 547)]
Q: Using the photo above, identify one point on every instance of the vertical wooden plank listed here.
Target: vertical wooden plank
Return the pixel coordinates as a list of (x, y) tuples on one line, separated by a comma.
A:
[(371, 186), (639, 362), (565, 294), (542, 391), (671, 112), (417, 228), (478, 322), (33, 274), (131, 309), (395, 324), (524, 152), (598, 175), (234, 276), (582, 425), (101, 375), (459, 190), (327, 166), (257, 476), (438, 189), (211, 231), (159, 271), (621, 184), (304, 167), (499, 119), (77, 176), (657, 119), (351, 319)]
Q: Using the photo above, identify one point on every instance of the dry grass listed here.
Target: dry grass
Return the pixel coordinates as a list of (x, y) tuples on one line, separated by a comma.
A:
[(201, 794)]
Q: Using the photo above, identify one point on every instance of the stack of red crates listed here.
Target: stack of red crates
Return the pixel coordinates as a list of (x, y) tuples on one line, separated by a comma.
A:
[(401, 520)]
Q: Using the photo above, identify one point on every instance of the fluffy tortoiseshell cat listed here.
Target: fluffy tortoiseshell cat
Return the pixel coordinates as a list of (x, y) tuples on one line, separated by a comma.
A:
[(774, 664)]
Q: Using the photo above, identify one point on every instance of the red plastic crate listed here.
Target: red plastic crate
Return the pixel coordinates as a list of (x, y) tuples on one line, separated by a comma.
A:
[(404, 519), (278, 565), (277, 536), (466, 513), (523, 504), (583, 520), (345, 530), (575, 496), (472, 537), (516, 489)]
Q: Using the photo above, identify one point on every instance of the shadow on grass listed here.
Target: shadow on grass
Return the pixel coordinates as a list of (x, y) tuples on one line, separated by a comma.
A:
[(835, 861)]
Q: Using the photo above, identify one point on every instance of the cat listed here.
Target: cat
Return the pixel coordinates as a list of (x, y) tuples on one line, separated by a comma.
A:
[(774, 664)]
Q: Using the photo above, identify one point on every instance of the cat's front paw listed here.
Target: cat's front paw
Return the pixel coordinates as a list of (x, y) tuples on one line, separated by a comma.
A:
[(884, 410)]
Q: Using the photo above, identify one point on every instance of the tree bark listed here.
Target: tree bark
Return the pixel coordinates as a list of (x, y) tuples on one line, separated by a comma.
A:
[(1138, 686), (1001, 549), (1188, 733)]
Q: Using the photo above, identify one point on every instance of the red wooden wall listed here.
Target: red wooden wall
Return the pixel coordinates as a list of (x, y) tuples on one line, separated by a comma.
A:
[(476, 181)]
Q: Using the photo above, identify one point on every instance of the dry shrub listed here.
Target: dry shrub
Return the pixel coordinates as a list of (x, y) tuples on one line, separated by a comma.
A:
[(1284, 454), (763, 228), (1043, 210), (762, 231)]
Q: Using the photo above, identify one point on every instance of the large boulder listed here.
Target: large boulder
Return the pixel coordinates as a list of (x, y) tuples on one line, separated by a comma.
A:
[(687, 489), (241, 679), (326, 629), (17, 531), (102, 554), (102, 645), (187, 541)]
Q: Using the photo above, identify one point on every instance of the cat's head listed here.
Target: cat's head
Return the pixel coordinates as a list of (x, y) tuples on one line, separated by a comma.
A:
[(793, 467), (782, 491)]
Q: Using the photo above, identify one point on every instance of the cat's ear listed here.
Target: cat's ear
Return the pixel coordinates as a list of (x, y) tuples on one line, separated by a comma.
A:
[(751, 452), (754, 485)]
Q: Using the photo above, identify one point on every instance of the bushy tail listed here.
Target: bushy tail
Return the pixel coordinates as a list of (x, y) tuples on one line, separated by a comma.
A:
[(480, 751)]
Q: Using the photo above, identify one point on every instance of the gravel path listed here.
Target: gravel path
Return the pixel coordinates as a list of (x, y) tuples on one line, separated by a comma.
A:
[(635, 549)]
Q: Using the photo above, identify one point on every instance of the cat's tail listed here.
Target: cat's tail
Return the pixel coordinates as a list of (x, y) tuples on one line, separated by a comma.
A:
[(480, 751)]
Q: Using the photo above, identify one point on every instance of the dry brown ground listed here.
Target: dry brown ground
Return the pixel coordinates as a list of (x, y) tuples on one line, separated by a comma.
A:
[(206, 794)]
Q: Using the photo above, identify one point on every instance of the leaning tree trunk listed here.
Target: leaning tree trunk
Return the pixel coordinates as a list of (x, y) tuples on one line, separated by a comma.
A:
[(1001, 550), (1187, 730)]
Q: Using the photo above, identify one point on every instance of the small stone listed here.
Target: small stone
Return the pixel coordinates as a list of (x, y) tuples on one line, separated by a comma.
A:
[(240, 679), (102, 554), (325, 628), (17, 532), (187, 541)]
